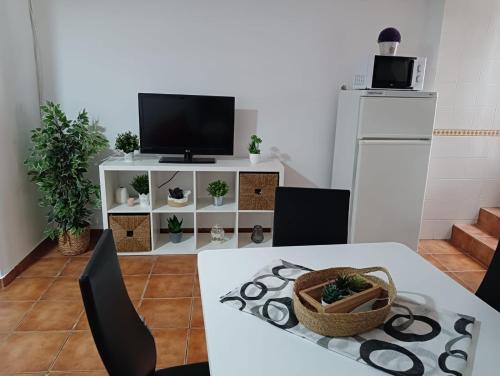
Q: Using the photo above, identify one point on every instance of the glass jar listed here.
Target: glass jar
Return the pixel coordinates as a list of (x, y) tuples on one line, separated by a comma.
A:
[(217, 233)]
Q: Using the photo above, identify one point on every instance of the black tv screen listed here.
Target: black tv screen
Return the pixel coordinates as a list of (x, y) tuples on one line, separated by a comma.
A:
[(175, 123)]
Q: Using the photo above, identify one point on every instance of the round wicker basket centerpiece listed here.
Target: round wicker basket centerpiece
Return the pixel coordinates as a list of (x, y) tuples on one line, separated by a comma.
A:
[(72, 245), (342, 324)]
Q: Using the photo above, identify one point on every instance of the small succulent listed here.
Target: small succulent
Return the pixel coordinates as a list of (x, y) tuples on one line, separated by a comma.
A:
[(176, 193), (331, 293), (174, 225), (358, 283), (140, 184)]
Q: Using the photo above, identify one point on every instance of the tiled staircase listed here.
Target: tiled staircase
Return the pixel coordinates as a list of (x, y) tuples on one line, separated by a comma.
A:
[(479, 240)]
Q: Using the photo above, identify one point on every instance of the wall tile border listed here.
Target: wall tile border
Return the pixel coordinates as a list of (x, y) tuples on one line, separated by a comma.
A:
[(467, 132)]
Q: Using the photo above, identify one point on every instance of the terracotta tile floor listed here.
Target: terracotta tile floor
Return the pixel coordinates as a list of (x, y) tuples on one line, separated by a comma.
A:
[(44, 330), (462, 268)]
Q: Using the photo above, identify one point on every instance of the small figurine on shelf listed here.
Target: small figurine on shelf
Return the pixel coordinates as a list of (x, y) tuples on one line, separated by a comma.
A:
[(177, 197), (257, 234), (217, 233)]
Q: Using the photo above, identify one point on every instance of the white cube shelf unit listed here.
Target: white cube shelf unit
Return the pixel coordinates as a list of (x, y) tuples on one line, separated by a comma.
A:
[(200, 213)]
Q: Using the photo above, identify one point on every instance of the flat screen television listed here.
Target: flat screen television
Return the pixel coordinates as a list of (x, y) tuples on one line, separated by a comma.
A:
[(186, 124)]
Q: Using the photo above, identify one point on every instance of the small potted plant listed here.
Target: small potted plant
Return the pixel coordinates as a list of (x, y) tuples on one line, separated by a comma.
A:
[(128, 143), (175, 229), (388, 41), (253, 149), (140, 183), (218, 189)]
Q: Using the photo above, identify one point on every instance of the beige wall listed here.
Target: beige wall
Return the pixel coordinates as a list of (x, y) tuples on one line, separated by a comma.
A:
[(464, 172), (21, 221)]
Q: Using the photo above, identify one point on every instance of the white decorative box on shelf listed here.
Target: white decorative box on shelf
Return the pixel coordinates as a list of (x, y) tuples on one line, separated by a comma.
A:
[(200, 213)]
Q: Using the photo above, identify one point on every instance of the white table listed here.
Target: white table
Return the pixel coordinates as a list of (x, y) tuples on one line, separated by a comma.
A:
[(241, 344)]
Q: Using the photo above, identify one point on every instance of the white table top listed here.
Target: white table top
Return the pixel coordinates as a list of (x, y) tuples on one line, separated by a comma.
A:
[(241, 344)]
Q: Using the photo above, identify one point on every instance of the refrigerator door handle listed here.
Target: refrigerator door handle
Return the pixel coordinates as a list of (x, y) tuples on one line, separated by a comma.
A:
[(393, 141)]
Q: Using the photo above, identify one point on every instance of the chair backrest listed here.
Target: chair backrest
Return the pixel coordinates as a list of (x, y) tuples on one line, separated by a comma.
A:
[(125, 344), (310, 216), (488, 290)]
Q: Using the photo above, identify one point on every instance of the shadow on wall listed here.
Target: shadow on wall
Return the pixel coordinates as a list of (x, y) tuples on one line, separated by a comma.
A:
[(292, 176), (245, 125)]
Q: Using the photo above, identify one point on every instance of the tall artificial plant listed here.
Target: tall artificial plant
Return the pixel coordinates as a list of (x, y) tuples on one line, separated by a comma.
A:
[(58, 163)]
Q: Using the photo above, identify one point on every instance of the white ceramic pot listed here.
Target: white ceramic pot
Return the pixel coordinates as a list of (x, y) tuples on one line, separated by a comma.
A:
[(254, 158), (219, 201), (144, 200), (129, 157), (388, 48), (121, 195)]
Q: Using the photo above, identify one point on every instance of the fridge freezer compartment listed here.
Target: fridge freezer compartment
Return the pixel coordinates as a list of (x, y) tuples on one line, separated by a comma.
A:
[(396, 118)]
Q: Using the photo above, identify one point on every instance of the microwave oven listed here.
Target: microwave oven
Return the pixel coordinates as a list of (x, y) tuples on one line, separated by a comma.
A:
[(392, 72)]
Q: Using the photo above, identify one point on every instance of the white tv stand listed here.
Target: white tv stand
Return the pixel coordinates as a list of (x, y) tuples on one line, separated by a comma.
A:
[(200, 213)]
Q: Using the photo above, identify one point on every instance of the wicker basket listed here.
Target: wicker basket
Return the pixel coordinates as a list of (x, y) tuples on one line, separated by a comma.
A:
[(342, 324), (72, 245), (132, 233), (257, 190)]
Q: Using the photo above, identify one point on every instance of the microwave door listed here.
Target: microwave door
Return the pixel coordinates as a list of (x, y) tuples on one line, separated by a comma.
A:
[(393, 72)]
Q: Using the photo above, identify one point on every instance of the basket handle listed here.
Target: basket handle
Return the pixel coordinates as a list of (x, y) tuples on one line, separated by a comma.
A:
[(377, 269)]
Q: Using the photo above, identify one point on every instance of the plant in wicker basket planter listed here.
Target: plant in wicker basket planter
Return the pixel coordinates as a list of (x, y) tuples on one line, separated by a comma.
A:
[(127, 143), (140, 183), (175, 229), (218, 189), (57, 163), (343, 286)]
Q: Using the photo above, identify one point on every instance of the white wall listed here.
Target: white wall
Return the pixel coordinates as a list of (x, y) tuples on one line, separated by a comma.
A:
[(284, 60), (21, 221), (464, 172)]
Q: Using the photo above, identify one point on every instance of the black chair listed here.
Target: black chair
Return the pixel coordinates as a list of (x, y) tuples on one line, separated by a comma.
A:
[(488, 290), (310, 216), (125, 344)]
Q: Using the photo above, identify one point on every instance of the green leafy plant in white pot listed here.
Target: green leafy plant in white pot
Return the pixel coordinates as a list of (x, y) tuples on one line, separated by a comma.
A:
[(57, 163), (254, 150), (175, 229), (218, 189), (128, 143), (140, 183)]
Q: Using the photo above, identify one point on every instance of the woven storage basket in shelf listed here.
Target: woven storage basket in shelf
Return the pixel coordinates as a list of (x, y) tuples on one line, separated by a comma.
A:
[(132, 232), (342, 324), (257, 190), (72, 245)]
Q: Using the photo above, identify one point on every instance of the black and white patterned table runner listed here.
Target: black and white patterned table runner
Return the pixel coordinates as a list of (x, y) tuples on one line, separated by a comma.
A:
[(416, 339)]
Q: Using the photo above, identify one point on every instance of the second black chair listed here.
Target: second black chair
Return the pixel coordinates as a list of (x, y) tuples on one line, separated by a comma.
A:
[(125, 344), (488, 290), (310, 216)]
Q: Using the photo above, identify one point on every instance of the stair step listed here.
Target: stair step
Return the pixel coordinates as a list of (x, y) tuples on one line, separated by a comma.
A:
[(474, 241), (489, 221)]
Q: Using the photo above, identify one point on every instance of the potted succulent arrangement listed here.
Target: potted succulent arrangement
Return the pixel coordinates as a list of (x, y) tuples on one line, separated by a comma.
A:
[(140, 183), (175, 229), (342, 287), (388, 41), (128, 143), (57, 163), (253, 149), (218, 189)]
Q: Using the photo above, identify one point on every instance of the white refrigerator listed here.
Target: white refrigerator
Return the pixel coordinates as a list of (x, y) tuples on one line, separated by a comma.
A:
[(382, 146)]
